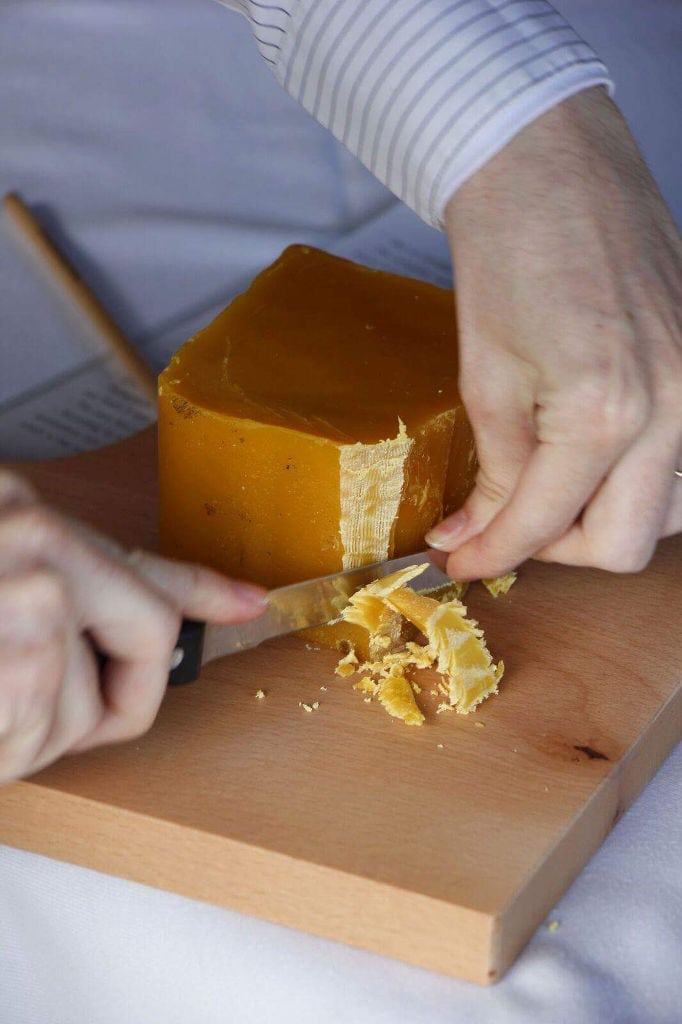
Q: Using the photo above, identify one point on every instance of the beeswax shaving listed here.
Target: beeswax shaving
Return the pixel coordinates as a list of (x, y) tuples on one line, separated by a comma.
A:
[(455, 646), (500, 585), (396, 696)]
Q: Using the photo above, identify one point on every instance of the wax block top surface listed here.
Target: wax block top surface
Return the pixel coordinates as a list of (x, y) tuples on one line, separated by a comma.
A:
[(323, 345)]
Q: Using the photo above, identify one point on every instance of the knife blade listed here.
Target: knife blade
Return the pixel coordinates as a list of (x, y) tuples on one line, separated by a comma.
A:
[(298, 606)]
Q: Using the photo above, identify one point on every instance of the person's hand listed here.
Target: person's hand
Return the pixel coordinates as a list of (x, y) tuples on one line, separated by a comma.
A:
[(64, 588), (569, 298)]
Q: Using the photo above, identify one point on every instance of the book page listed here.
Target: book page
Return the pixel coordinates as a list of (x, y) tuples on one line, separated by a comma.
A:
[(61, 391), (402, 243)]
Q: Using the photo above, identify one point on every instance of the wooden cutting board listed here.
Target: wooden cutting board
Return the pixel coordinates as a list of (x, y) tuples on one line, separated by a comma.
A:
[(345, 822)]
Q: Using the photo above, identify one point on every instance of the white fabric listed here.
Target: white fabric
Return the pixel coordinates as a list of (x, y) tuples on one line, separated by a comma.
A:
[(77, 947), (174, 166), (424, 92)]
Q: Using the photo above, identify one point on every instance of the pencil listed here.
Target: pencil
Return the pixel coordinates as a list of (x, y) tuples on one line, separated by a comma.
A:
[(70, 283)]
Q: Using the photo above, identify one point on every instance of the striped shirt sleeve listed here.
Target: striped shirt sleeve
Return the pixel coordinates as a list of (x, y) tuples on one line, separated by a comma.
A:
[(424, 92)]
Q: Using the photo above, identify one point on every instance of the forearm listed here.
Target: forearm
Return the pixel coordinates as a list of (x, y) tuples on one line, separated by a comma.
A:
[(424, 92)]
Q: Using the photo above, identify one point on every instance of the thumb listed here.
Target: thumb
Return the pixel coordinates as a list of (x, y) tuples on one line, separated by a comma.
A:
[(501, 418)]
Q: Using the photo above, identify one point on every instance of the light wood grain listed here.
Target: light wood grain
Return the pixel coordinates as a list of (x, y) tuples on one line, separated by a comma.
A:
[(347, 823)]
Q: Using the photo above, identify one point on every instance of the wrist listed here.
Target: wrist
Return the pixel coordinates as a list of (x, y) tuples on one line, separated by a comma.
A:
[(581, 142)]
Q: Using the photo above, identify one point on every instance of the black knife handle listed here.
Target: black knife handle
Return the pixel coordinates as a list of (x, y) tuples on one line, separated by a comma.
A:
[(186, 657), (185, 663)]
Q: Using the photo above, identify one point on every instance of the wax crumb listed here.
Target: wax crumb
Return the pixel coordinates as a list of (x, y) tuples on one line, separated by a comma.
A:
[(365, 685), (552, 926), (324, 689), (348, 665), (500, 585), (367, 700), (480, 725), (306, 707), (443, 707), (439, 745), (260, 694)]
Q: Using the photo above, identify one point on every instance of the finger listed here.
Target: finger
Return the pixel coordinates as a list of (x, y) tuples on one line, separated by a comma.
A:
[(200, 592), (196, 591), (14, 490), (32, 646), (79, 707), (94, 708), (128, 619), (557, 483), (25, 707), (620, 527), (126, 615), (500, 411), (132, 692), (673, 519)]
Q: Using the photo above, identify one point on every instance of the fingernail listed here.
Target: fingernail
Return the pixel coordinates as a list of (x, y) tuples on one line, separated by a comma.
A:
[(250, 594), (445, 536)]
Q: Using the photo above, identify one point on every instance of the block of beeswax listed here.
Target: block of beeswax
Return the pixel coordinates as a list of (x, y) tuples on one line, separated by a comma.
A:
[(315, 425)]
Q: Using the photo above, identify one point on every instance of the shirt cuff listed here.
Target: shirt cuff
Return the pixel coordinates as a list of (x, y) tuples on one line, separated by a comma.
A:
[(423, 92)]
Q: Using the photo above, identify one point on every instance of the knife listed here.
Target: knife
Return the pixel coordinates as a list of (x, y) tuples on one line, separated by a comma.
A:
[(297, 606)]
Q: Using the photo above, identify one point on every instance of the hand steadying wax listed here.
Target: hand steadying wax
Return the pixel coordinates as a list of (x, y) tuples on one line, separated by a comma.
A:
[(569, 302)]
